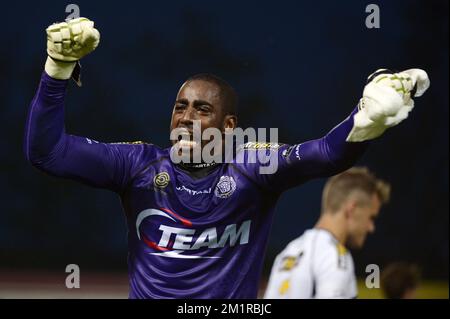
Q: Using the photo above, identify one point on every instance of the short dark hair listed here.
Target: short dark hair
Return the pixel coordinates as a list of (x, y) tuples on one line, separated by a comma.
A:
[(399, 277), (339, 187), (226, 90)]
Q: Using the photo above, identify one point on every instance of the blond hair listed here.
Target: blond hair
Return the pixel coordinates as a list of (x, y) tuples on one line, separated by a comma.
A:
[(355, 180)]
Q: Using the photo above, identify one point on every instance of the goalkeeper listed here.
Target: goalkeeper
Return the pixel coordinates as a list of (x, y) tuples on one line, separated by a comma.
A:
[(197, 230)]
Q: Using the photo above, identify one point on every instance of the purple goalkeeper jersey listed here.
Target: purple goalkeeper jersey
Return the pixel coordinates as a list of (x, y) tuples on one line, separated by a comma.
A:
[(192, 232)]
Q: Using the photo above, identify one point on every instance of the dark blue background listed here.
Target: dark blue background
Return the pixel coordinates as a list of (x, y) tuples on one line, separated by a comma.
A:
[(297, 66)]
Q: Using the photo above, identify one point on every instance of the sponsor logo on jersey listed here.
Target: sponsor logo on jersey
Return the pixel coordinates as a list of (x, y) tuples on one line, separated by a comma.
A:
[(297, 152), (225, 187), (342, 256), (284, 287), (261, 146), (90, 141), (183, 242), (183, 188), (287, 151), (130, 143), (161, 180), (290, 262)]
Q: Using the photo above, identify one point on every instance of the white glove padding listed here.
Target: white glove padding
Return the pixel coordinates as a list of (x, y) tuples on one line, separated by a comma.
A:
[(68, 42), (386, 102)]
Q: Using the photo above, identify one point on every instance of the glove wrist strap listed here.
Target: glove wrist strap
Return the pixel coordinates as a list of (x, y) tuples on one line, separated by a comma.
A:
[(59, 70)]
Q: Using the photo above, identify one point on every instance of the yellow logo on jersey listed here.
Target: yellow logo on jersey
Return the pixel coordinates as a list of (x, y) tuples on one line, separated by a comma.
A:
[(261, 146), (341, 249), (284, 287), (161, 180), (131, 143), (289, 263)]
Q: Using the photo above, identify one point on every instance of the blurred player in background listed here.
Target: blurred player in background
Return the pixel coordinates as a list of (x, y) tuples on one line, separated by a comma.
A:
[(400, 280), (197, 230), (318, 264)]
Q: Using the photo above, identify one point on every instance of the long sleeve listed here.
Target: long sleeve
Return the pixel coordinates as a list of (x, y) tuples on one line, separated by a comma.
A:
[(50, 149), (296, 164)]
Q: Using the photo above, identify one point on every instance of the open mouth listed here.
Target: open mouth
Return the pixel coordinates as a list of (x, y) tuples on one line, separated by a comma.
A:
[(185, 139), (187, 144), (185, 135)]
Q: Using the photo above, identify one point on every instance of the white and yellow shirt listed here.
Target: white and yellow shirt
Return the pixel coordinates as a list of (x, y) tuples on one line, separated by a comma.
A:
[(315, 265)]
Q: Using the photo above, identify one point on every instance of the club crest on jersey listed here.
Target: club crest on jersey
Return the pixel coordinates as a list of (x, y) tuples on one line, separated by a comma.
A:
[(161, 180), (225, 187), (184, 241)]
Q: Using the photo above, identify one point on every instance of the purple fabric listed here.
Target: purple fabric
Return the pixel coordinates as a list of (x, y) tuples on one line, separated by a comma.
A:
[(188, 237)]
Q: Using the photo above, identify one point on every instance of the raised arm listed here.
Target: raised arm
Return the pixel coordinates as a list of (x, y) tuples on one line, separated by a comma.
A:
[(322, 157), (46, 144), (50, 149), (387, 100)]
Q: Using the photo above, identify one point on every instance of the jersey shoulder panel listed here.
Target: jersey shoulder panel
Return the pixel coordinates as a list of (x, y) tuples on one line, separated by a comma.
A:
[(136, 156), (332, 267), (260, 161)]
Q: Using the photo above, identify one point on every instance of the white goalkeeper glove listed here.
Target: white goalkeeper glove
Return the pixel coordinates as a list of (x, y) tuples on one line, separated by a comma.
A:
[(68, 42), (387, 100)]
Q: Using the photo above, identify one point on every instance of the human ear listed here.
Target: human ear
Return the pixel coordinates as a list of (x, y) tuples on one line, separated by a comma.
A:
[(230, 122)]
